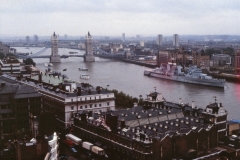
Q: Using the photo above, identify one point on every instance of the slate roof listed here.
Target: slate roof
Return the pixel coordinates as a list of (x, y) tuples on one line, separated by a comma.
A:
[(26, 91)]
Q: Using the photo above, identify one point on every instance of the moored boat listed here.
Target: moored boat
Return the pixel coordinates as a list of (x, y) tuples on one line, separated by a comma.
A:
[(83, 69), (191, 75), (84, 76)]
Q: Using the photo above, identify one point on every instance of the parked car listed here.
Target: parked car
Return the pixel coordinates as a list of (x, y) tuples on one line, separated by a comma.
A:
[(74, 150)]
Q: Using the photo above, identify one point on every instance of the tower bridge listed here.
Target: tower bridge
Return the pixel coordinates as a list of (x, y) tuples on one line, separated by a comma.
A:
[(56, 58)]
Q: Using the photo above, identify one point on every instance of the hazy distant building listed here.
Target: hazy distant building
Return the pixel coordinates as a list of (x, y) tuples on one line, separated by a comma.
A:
[(221, 59), (159, 39), (55, 58), (4, 48), (89, 57), (162, 57), (65, 37), (35, 37), (123, 37), (27, 39), (142, 43), (175, 40), (138, 37)]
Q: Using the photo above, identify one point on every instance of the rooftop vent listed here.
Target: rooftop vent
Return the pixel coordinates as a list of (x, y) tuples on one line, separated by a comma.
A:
[(159, 113)]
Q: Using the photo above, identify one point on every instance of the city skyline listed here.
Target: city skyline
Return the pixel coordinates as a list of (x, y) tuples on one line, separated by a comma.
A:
[(112, 18)]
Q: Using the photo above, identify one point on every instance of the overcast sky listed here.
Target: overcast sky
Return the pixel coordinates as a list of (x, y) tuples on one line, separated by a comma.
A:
[(114, 17)]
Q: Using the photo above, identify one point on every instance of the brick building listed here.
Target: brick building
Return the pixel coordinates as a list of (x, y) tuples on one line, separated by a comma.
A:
[(158, 130)]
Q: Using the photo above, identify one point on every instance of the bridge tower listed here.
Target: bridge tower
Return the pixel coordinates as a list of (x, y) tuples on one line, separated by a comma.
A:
[(89, 57), (54, 58)]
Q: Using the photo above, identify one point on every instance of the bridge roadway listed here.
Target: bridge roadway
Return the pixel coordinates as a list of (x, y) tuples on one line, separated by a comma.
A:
[(47, 56)]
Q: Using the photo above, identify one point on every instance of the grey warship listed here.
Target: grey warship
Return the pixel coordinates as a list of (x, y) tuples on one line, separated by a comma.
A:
[(191, 75)]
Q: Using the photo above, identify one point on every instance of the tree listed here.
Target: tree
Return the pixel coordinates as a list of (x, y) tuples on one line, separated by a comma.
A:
[(228, 50), (125, 101), (29, 61), (211, 51)]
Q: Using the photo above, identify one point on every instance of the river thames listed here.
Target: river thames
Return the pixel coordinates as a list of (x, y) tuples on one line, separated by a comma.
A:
[(129, 79)]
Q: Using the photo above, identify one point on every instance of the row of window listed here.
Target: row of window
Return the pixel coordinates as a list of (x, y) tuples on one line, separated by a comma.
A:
[(90, 106), (91, 98)]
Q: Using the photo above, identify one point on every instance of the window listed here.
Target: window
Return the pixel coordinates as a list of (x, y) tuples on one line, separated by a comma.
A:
[(99, 97), (100, 105), (85, 106), (72, 107), (90, 105), (80, 107), (95, 105), (108, 103), (85, 98), (4, 115)]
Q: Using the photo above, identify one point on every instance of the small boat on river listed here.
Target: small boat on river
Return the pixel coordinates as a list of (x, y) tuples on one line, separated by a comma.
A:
[(83, 69), (84, 76)]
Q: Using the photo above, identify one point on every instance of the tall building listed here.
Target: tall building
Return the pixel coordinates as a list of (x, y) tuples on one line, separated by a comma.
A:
[(89, 57), (17, 103), (27, 39), (138, 37), (123, 37), (175, 40), (65, 37), (55, 58), (35, 37), (4, 48), (159, 39)]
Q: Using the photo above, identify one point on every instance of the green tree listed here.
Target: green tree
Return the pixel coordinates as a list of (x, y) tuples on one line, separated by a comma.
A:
[(29, 61), (211, 51), (125, 101), (228, 50)]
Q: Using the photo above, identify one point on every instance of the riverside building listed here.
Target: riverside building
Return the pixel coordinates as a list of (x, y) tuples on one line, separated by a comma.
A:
[(66, 97)]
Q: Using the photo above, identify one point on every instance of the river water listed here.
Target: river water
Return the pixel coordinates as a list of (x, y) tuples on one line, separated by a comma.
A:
[(129, 78)]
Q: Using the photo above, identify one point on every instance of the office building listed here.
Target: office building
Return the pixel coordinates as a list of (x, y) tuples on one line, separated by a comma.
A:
[(4, 48), (123, 37), (175, 40), (18, 102), (159, 40), (35, 37), (10, 65), (157, 130), (27, 39)]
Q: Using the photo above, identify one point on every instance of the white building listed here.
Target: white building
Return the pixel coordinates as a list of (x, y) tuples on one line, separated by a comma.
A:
[(68, 97), (159, 39), (10, 66), (53, 147), (175, 40), (55, 58)]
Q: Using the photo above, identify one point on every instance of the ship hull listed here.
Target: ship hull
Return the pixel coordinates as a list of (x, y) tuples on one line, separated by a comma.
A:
[(206, 82)]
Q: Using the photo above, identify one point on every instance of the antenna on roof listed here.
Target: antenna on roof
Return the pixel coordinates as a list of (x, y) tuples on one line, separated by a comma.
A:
[(215, 98)]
